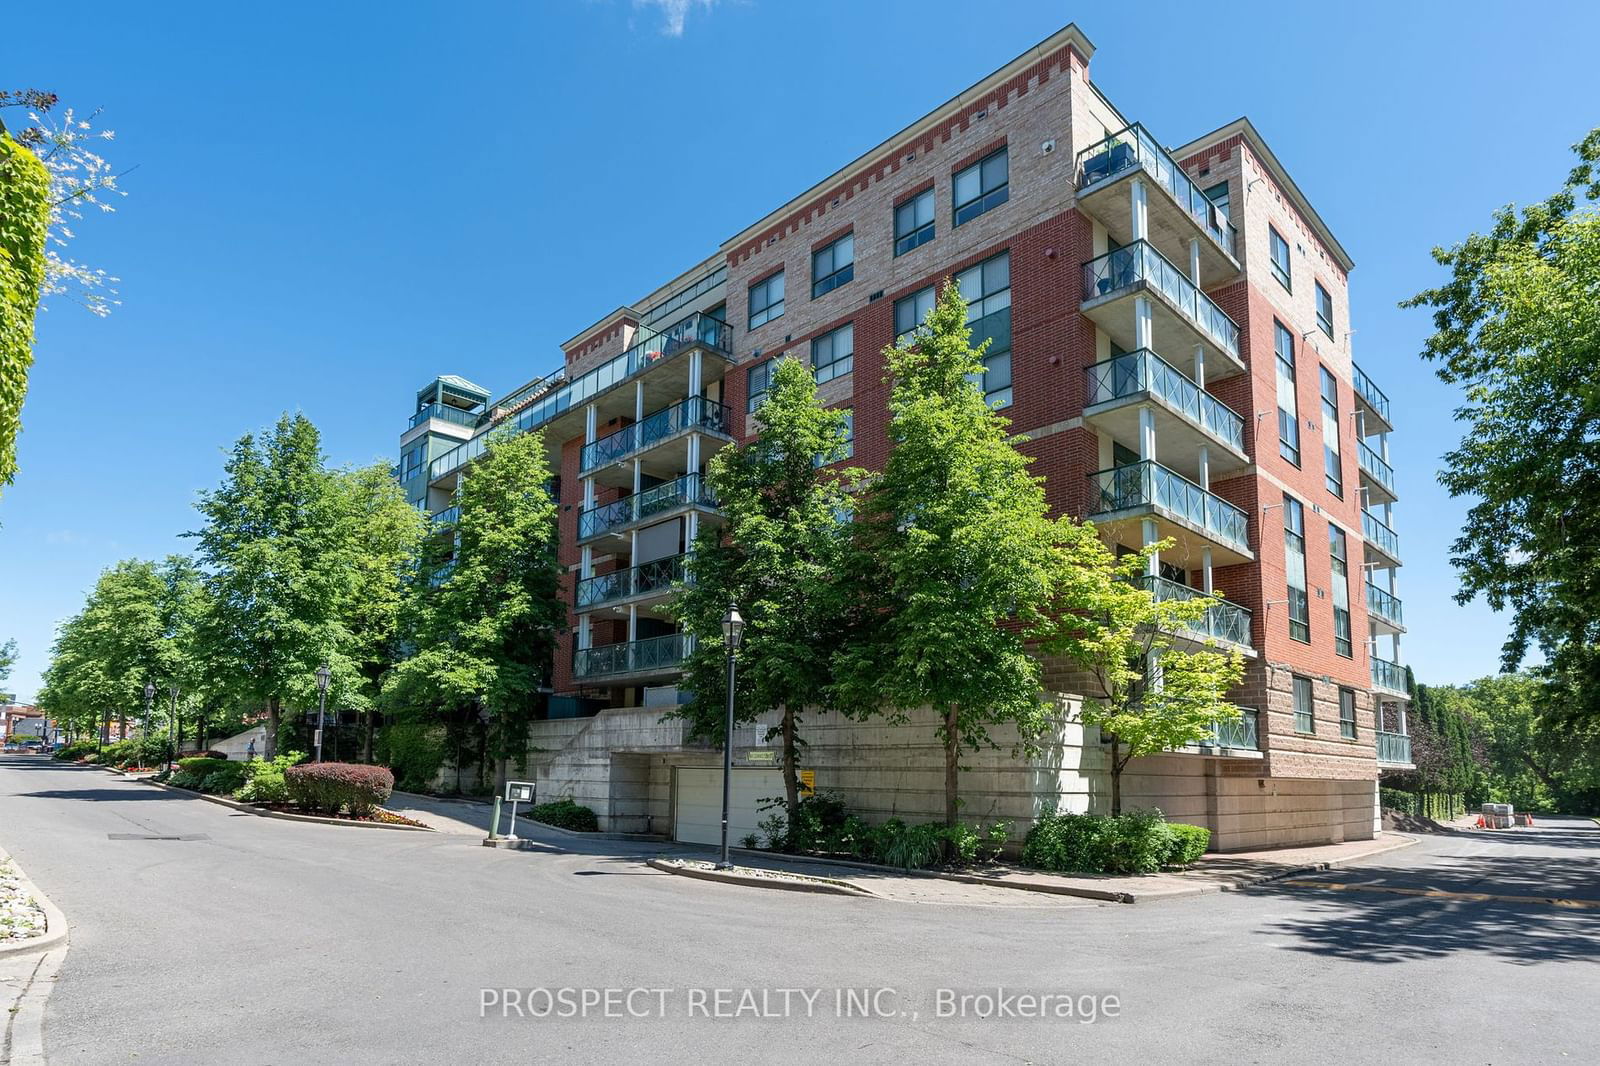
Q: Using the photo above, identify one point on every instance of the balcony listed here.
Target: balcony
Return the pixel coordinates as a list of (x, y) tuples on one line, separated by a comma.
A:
[(1182, 315), (1384, 607), (1372, 400), (666, 426), (446, 518), (1117, 387), (1378, 475), (1241, 733), (690, 490), (1176, 210), (1394, 749), (657, 349), (647, 581), (1383, 546), (654, 655), (1389, 677), (1121, 497), (444, 413), (1226, 623)]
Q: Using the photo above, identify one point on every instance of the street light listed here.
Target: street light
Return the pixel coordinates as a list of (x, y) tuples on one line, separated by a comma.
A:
[(172, 727), (149, 706), (323, 675), (732, 634)]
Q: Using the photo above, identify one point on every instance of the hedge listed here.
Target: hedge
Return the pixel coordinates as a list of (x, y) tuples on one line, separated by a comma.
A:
[(77, 750), (1138, 842), (331, 787), (566, 813)]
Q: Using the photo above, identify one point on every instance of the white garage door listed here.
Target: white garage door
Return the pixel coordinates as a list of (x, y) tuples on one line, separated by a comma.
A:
[(697, 803)]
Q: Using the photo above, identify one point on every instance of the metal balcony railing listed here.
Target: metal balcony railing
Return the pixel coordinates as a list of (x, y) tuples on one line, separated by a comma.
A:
[(1241, 732), (1140, 261), (1369, 393), (696, 412), (1381, 535), (1384, 605), (1149, 484), (655, 576), (1394, 748), (653, 653), (1226, 621), (1134, 147), (1373, 466), (1391, 677), (688, 489), (1144, 371), (446, 413)]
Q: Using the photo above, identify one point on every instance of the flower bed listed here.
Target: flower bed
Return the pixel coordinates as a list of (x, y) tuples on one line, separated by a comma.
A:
[(21, 917)]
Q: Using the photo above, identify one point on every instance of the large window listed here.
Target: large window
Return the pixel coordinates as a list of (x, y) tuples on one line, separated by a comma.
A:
[(1324, 311), (913, 222), (987, 288), (1280, 258), (1288, 406), (1294, 563), (766, 300), (910, 312), (982, 186), (757, 380), (1305, 715), (1332, 475), (1218, 195), (1347, 713), (833, 353), (1338, 549), (833, 266)]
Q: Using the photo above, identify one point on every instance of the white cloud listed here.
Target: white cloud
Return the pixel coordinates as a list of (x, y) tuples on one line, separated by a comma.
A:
[(674, 12)]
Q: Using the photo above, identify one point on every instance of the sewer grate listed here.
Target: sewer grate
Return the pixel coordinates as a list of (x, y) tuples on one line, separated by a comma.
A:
[(154, 836)]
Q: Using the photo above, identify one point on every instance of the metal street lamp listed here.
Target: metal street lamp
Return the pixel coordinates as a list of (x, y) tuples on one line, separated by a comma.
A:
[(172, 727), (149, 706), (732, 635), (323, 676)]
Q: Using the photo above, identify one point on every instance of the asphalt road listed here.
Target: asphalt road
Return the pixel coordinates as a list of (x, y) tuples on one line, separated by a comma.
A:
[(252, 940)]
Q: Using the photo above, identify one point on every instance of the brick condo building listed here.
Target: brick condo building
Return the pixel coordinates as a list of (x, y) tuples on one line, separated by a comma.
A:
[(1170, 334)]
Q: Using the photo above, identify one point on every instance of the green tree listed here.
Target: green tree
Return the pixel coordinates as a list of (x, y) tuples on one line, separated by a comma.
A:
[(1517, 327), (75, 691), (24, 227), (778, 555), (8, 658), (484, 628)]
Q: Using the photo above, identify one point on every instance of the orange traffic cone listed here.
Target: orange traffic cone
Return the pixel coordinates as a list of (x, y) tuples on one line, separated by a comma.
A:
[(1481, 824)]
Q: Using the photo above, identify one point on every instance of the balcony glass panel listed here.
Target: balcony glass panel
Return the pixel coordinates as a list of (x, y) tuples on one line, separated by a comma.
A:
[(696, 412), (1380, 534), (688, 489), (1394, 748), (446, 413), (1384, 604), (1140, 261), (1227, 621), (1370, 393), (447, 517), (655, 576), (1134, 147), (1373, 466), (1241, 732), (1145, 371), (654, 653), (1148, 484), (1388, 675)]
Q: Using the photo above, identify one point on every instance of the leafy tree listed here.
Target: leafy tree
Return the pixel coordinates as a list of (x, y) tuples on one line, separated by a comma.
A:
[(24, 228), (1517, 326), (75, 691), (485, 627), (8, 658), (1533, 760), (779, 556)]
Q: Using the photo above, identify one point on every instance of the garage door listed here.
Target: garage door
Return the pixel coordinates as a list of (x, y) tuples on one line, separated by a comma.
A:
[(697, 803)]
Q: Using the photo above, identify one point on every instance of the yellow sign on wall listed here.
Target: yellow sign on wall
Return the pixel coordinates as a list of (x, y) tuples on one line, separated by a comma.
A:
[(808, 780)]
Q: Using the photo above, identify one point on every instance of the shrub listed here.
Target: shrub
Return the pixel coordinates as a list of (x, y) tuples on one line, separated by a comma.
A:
[(264, 782), (1189, 843), (208, 754), (200, 766), (566, 813), (76, 750), (414, 751), (749, 842), (1137, 842), (225, 780), (334, 786)]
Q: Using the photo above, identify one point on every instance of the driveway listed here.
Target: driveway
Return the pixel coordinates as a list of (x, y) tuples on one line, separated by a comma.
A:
[(253, 940)]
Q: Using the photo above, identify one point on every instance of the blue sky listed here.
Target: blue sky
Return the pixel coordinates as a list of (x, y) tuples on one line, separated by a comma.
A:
[(335, 202)]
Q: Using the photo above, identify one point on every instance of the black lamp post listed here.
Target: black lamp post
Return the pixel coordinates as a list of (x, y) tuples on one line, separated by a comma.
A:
[(323, 676), (172, 727), (732, 634), (149, 708)]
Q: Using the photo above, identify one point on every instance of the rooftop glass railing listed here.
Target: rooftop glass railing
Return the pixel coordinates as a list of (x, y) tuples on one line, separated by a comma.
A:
[(1370, 394), (1388, 676), (652, 653), (686, 490), (446, 413), (1241, 732), (1384, 604), (1144, 371), (1134, 147), (1380, 535), (1226, 621), (1394, 748), (1149, 484), (697, 412), (1373, 466), (696, 329), (1140, 261), (658, 575)]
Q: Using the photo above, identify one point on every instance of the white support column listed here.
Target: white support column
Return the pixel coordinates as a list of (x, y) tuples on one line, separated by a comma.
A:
[(696, 371), (1200, 365), (1383, 446), (1143, 327), (693, 463), (1138, 209), (638, 400), (1147, 433), (1204, 459), (1150, 535), (691, 529), (1205, 568), (633, 622), (1194, 261), (638, 476)]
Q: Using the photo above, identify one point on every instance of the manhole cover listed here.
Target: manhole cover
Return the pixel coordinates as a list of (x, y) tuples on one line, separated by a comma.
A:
[(154, 836)]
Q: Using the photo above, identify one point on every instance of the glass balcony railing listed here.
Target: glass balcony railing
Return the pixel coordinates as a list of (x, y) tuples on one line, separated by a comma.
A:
[(658, 575), (1140, 261), (446, 413), (1241, 732), (1226, 621), (1391, 677), (1394, 748), (1144, 371), (1134, 147), (698, 328), (1384, 605), (653, 653), (1373, 466), (1149, 484), (696, 412), (688, 489), (1370, 394), (447, 517), (1380, 535)]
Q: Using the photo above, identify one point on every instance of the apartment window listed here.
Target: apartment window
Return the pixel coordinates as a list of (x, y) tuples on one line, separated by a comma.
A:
[(766, 300), (833, 353), (411, 461), (913, 222), (1218, 195), (1324, 310), (1288, 407), (1294, 563), (1347, 713), (910, 313), (757, 380), (847, 447), (1305, 717), (833, 266), (1332, 475), (1338, 551), (982, 186), (1280, 258), (987, 288)]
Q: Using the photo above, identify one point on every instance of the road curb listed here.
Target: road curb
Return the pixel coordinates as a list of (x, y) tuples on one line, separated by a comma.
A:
[(1404, 841), (649, 838), (284, 816), (55, 922), (818, 886)]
